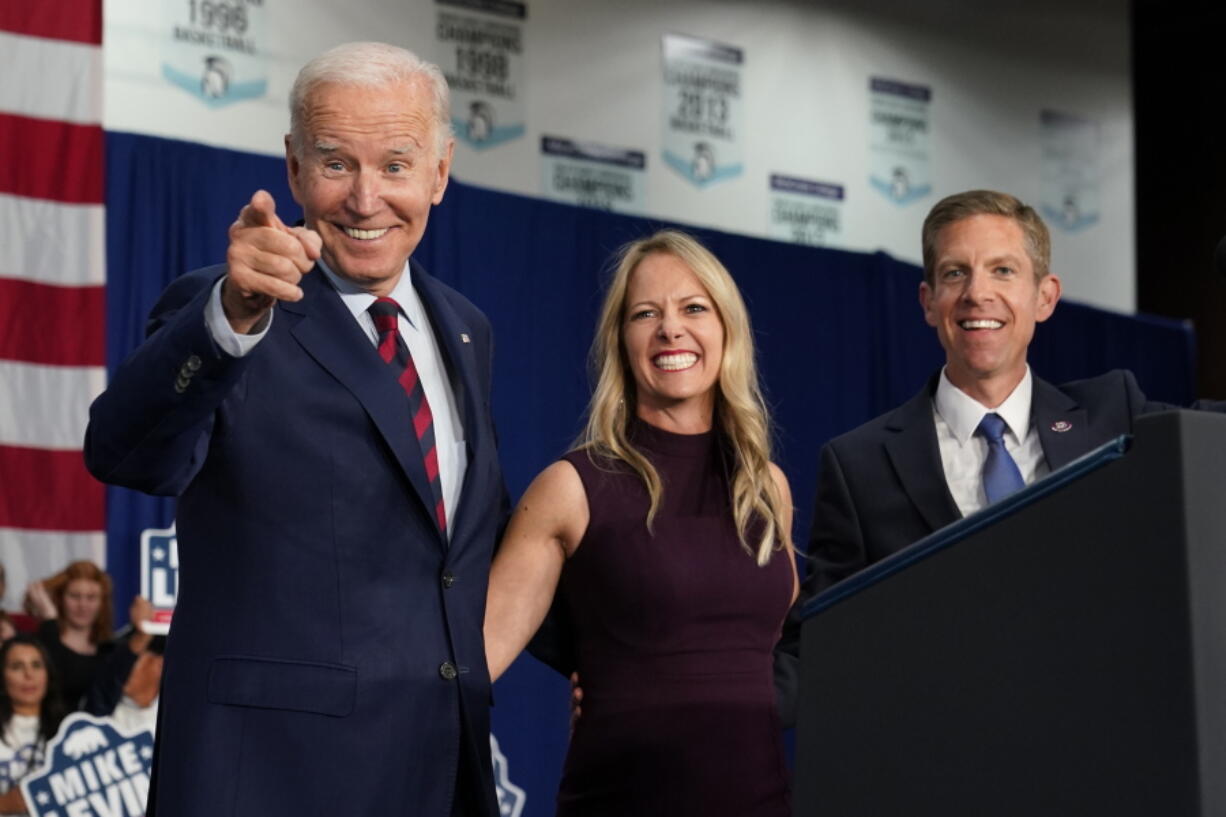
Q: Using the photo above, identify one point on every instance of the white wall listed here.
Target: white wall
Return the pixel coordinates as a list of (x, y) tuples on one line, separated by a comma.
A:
[(593, 72)]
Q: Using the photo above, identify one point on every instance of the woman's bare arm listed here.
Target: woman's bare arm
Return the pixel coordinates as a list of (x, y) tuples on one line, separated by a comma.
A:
[(544, 531)]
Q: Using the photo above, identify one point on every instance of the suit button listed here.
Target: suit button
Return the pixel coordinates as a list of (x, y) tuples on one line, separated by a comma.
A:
[(448, 579), (192, 364), (447, 671)]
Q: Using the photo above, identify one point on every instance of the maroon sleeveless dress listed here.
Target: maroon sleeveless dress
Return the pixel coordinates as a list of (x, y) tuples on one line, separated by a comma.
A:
[(674, 635)]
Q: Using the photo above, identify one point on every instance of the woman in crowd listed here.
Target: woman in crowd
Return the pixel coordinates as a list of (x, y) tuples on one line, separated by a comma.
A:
[(666, 534), (75, 606), (30, 714)]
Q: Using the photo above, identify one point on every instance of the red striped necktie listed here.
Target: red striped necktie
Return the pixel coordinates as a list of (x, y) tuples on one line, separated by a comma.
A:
[(392, 348)]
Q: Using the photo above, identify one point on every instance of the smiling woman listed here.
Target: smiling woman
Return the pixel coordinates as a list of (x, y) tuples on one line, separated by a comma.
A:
[(666, 534)]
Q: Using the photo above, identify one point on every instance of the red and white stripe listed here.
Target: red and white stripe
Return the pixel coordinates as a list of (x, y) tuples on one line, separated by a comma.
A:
[(52, 284)]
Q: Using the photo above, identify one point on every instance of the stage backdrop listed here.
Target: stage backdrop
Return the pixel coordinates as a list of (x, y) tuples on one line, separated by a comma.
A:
[(840, 339)]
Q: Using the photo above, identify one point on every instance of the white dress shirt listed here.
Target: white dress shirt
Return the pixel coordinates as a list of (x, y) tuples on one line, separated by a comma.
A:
[(423, 346), (963, 452)]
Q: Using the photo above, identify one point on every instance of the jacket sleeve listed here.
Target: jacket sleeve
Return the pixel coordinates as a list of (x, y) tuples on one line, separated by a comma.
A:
[(150, 428), (836, 550)]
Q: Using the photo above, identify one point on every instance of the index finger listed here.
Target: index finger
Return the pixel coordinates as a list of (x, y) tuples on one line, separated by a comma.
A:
[(261, 211)]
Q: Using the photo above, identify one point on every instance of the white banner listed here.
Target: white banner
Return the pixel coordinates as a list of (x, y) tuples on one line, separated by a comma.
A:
[(898, 140), (214, 49), (804, 211), (482, 56), (593, 175), (1070, 147), (702, 108)]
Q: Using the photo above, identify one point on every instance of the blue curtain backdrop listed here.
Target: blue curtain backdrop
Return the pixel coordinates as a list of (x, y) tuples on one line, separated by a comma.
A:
[(840, 339)]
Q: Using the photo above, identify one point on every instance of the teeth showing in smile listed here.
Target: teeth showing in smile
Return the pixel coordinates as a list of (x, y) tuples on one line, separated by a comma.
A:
[(982, 323), (364, 235), (675, 361)]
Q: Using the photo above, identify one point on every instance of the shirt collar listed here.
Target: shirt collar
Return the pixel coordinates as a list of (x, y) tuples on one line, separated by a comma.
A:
[(963, 413), (358, 300)]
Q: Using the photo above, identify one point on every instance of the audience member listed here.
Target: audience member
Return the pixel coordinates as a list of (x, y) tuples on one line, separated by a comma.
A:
[(75, 608), (30, 714)]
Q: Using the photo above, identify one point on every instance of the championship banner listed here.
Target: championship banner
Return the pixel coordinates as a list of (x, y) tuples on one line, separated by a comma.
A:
[(593, 175), (159, 576), (481, 52), (898, 140), (214, 49), (92, 769), (702, 108), (804, 211), (1069, 191)]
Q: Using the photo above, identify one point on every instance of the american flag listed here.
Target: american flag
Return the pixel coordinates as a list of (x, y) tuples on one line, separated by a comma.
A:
[(52, 284)]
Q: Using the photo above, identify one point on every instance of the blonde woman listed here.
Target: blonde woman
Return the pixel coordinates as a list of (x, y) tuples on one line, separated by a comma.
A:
[(666, 534)]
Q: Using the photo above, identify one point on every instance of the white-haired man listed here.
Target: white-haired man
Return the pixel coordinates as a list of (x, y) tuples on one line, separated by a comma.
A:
[(319, 405)]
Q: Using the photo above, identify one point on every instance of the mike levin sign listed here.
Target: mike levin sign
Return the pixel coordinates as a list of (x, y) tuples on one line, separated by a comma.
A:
[(92, 770), (159, 576)]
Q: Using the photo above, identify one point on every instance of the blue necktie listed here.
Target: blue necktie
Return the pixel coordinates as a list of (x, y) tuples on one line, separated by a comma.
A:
[(1000, 474)]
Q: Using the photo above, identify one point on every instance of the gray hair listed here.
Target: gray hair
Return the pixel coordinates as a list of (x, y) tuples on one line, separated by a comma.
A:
[(372, 65)]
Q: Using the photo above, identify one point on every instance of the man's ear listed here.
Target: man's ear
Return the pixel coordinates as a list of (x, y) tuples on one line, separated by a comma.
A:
[(292, 168), (926, 297), (444, 172), (1049, 296)]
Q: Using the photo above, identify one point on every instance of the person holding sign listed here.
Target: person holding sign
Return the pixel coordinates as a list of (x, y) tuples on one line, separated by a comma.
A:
[(319, 404), (30, 714), (667, 536)]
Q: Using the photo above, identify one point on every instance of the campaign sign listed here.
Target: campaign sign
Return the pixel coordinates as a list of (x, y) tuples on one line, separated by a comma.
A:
[(511, 798), (214, 49), (702, 108), (92, 770), (1069, 189), (804, 211), (593, 175), (159, 576), (482, 56), (898, 140)]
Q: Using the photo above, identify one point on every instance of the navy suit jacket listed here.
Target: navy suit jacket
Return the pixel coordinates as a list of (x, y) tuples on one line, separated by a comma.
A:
[(881, 487), (326, 654)]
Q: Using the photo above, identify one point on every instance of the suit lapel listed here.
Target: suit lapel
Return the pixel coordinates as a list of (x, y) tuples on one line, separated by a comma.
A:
[(1061, 423), (913, 451), (327, 332)]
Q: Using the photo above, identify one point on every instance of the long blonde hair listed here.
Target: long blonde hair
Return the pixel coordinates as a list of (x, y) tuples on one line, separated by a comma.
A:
[(740, 412)]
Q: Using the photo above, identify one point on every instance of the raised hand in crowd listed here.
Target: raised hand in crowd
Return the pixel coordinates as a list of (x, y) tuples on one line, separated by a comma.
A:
[(139, 612), (38, 602)]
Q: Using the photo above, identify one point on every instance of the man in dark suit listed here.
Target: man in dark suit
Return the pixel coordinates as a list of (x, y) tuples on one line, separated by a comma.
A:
[(320, 407), (935, 459), (892, 481)]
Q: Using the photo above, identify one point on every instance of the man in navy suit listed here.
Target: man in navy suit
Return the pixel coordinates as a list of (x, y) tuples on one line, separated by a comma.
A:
[(339, 489), (913, 470), (897, 478)]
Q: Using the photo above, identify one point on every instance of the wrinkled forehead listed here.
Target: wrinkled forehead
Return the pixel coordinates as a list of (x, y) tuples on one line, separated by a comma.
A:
[(371, 109)]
